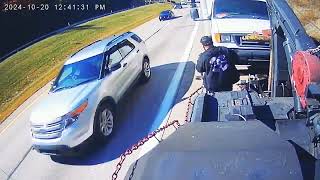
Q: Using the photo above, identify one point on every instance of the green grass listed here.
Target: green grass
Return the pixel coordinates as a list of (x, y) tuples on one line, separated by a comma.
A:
[(308, 12), (27, 71)]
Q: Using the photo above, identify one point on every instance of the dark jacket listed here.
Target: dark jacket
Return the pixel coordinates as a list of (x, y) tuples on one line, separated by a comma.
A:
[(218, 81)]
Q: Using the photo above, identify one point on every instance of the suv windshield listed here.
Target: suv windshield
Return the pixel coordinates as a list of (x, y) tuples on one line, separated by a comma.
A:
[(78, 73), (253, 9)]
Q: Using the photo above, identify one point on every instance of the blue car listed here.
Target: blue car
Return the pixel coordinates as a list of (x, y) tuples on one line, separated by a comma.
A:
[(165, 15)]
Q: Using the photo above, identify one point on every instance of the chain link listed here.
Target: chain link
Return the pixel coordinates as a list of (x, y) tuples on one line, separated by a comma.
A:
[(190, 104), (314, 51), (174, 123)]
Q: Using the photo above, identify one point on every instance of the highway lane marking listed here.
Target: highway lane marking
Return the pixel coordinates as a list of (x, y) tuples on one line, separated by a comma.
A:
[(18, 116), (171, 93), (175, 82)]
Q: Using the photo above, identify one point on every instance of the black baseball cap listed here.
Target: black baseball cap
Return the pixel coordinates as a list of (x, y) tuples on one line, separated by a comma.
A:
[(206, 41)]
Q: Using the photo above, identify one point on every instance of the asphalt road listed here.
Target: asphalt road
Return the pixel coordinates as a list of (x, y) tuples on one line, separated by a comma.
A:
[(173, 48)]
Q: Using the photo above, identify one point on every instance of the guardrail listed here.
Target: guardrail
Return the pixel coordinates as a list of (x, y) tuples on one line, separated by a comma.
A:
[(60, 31), (288, 36)]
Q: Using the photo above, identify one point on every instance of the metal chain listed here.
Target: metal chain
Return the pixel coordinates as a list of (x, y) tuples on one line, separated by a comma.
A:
[(190, 104), (174, 123), (314, 51), (140, 143)]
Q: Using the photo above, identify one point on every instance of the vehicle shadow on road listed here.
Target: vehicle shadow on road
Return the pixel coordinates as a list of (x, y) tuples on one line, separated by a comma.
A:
[(137, 113), (173, 18), (176, 17)]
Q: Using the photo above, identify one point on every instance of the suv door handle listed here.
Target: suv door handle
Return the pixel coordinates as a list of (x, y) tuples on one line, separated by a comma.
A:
[(125, 64), (138, 51)]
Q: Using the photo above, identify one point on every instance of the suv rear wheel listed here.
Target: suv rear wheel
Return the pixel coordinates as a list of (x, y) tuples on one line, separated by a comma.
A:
[(104, 122), (146, 71)]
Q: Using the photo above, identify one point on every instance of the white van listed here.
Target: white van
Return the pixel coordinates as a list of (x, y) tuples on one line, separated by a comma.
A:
[(244, 26)]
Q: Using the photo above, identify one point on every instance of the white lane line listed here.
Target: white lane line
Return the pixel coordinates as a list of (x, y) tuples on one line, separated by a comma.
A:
[(18, 116), (171, 93), (175, 82)]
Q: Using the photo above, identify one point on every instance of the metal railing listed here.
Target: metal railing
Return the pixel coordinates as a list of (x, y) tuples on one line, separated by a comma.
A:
[(288, 36)]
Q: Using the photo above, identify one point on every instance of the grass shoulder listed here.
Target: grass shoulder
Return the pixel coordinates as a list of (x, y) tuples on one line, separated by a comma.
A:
[(308, 13)]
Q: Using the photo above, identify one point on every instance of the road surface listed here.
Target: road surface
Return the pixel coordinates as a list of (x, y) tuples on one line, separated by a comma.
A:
[(173, 49)]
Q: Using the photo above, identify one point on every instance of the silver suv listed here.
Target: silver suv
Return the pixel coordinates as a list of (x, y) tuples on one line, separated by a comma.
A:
[(83, 99)]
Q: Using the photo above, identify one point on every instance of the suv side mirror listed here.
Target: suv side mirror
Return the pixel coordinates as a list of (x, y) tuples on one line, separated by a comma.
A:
[(52, 86)]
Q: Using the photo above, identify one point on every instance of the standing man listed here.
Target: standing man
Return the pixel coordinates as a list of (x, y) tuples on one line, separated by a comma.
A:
[(217, 64)]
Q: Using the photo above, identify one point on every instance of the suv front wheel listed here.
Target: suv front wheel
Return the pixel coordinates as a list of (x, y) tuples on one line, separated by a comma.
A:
[(104, 122)]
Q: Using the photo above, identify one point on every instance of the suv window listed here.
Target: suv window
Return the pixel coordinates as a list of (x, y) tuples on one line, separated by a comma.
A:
[(125, 47), (240, 9), (136, 38), (79, 73), (114, 57)]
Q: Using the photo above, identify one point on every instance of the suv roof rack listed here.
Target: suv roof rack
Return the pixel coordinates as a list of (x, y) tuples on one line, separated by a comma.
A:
[(118, 37), (85, 47)]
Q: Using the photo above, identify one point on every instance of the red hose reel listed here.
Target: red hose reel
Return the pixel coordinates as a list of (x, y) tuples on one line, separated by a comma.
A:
[(305, 71)]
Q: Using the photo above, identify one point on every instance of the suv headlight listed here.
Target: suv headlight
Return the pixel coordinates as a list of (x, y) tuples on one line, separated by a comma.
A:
[(73, 116)]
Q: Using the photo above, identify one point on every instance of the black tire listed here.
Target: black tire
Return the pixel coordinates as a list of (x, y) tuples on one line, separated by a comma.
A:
[(98, 132), (145, 76)]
